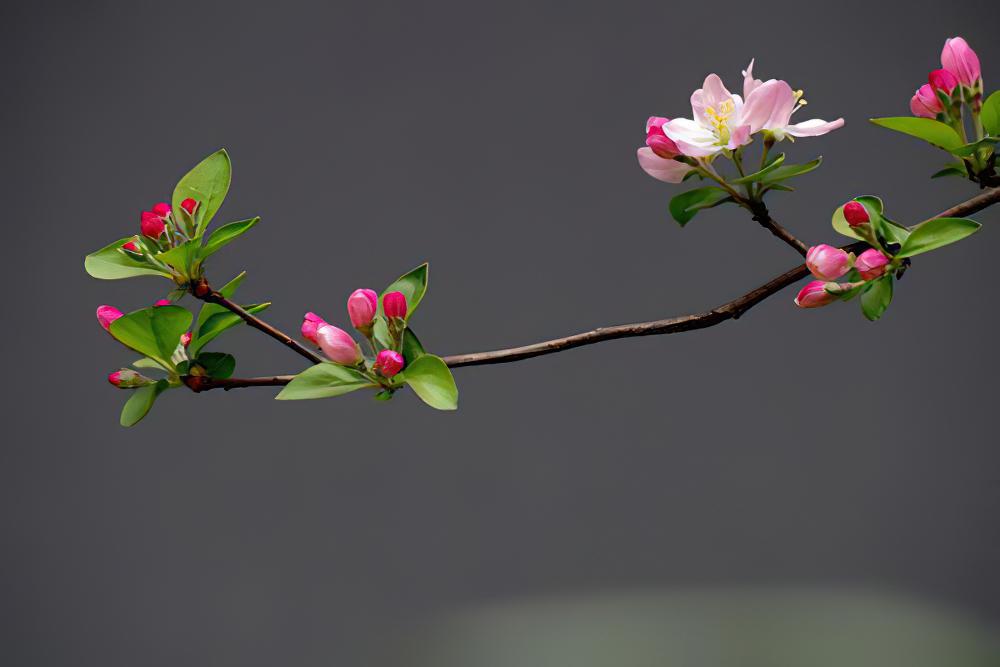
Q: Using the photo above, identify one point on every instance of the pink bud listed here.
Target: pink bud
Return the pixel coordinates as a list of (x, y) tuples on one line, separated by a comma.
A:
[(361, 307), (310, 323), (827, 262), (189, 205), (162, 209), (661, 144), (925, 102), (855, 214), (389, 362), (126, 378), (108, 314), (394, 304), (151, 225), (871, 264), (163, 302), (131, 247), (942, 79), (186, 338), (814, 295), (958, 58), (338, 345)]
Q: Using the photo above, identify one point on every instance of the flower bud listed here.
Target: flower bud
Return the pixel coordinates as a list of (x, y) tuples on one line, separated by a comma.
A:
[(151, 225), (827, 262), (871, 264), (189, 205), (855, 214), (131, 246), (338, 345), (186, 338), (661, 144), (310, 324), (394, 305), (943, 80), (163, 302), (389, 362), (361, 307), (126, 378), (162, 209), (108, 314), (958, 58), (925, 103), (814, 295)]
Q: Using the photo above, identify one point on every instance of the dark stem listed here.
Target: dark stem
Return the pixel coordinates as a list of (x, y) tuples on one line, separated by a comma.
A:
[(763, 217)]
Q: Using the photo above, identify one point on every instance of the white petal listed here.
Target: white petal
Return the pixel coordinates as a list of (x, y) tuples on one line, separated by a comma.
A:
[(662, 169), (691, 138), (814, 127)]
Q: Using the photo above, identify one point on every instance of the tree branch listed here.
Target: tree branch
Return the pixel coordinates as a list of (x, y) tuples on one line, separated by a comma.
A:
[(728, 311), (763, 217)]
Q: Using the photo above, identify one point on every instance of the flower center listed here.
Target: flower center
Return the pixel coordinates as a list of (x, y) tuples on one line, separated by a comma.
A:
[(719, 119)]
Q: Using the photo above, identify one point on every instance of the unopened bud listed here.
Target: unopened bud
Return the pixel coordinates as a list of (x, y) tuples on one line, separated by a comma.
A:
[(338, 345), (361, 307), (814, 295), (127, 378), (394, 305), (389, 362), (189, 205), (855, 214), (871, 263), (826, 262), (108, 314), (310, 323)]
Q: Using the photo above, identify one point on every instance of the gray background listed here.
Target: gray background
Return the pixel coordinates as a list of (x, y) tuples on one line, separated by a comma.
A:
[(496, 141)]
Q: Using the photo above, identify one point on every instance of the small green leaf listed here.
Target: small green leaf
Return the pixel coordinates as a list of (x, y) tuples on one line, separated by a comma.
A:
[(111, 263), (207, 184), (411, 347), (217, 365), (413, 285), (758, 175), (139, 403), (685, 206), (970, 149), (146, 362), (877, 297), (787, 171), (431, 380), (952, 169), (936, 233), (182, 258), (217, 323), (323, 381), (154, 331), (225, 234), (990, 115), (932, 131)]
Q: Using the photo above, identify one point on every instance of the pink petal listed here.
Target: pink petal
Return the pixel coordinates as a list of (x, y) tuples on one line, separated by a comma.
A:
[(814, 127), (668, 171), (769, 106)]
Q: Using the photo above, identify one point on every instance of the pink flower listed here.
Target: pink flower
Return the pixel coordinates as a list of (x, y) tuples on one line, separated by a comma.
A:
[(925, 102), (361, 307), (131, 247), (163, 302), (338, 345), (662, 169), (189, 205), (958, 58), (778, 97), (871, 264), (827, 262), (855, 214), (310, 324), (657, 141), (942, 79), (127, 378), (388, 363), (151, 224), (814, 295), (162, 209), (394, 304), (108, 314), (186, 338)]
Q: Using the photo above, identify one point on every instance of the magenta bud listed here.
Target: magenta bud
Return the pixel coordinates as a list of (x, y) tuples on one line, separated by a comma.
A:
[(338, 345), (108, 314), (394, 305), (162, 209), (925, 102), (958, 58), (189, 205), (131, 247), (310, 323), (361, 307), (186, 338), (827, 262), (871, 264), (151, 225), (126, 378), (389, 362), (943, 80), (163, 302), (659, 142), (814, 295), (855, 214)]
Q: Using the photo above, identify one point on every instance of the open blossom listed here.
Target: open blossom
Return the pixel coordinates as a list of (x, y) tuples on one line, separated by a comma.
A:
[(826, 262), (871, 264), (814, 295), (925, 102), (958, 58), (361, 307), (108, 314), (389, 363), (310, 324), (338, 345)]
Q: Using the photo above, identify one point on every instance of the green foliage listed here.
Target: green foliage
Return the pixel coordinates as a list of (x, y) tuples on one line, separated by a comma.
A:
[(951, 169), (112, 263), (323, 381), (154, 332), (759, 175), (990, 115), (217, 365), (876, 297), (185, 259), (936, 233), (932, 131), (786, 171), (139, 403), (685, 206), (217, 323), (430, 379), (413, 285), (207, 183), (225, 234)]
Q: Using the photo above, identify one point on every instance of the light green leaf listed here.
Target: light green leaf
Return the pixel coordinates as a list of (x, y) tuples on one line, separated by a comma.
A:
[(411, 347), (217, 323), (323, 381), (111, 263), (685, 206), (225, 234), (990, 115), (952, 169), (154, 331), (182, 258), (413, 285), (209, 309), (936, 233), (217, 365), (877, 297), (431, 380), (208, 184), (970, 149), (139, 403), (932, 131), (146, 362), (758, 175), (787, 171)]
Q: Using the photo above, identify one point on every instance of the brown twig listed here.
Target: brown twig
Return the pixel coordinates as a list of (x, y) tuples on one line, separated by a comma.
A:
[(727, 311), (762, 216)]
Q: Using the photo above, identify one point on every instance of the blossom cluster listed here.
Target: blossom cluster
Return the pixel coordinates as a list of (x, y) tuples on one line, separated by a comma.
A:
[(127, 378), (959, 80)]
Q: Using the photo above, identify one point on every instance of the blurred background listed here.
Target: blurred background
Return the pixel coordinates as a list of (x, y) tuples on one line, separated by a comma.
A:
[(795, 488)]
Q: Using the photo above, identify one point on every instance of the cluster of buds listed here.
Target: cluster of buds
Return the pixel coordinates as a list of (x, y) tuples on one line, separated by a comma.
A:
[(828, 264), (160, 229), (362, 309), (958, 82), (107, 314)]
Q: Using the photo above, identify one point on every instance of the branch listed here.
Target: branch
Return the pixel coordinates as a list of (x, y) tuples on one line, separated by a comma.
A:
[(763, 216), (727, 311)]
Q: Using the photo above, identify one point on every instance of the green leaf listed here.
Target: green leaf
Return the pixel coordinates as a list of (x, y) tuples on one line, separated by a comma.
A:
[(154, 331), (323, 381), (225, 234), (209, 309), (970, 149), (217, 365), (146, 362), (787, 171), (932, 131), (952, 169), (758, 175), (685, 206), (936, 233), (183, 258), (217, 323), (413, 285), (874, 207), (208, 184), (877, 297), (139, 403), (990, 115), (111, 263), (431, 380), (411, 347)]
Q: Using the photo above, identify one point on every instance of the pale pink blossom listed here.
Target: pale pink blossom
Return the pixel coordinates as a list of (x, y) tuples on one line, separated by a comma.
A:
[(389, 362), (361, 307), (338, 345), (871, 264), (826, 262), (662, 169), (958, 58), (925, 102), (814, 295)]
